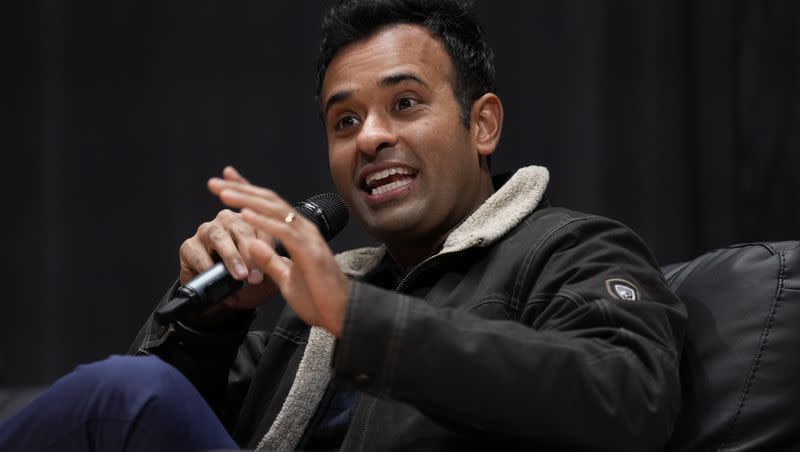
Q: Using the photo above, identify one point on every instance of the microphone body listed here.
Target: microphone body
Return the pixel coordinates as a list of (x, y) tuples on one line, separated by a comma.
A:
[(326, 210)]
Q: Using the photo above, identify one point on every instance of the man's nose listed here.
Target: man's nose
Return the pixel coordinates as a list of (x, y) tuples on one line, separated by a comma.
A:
[(377, 132)]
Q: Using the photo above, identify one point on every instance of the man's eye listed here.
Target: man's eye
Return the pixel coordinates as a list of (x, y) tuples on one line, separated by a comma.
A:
[(346, 122), (406, 103)]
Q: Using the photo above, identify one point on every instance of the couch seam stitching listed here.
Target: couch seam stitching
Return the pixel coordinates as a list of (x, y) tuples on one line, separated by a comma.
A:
[(776, 302)]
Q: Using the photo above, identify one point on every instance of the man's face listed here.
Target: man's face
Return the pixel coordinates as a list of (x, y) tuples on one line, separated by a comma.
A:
[(398, 149)]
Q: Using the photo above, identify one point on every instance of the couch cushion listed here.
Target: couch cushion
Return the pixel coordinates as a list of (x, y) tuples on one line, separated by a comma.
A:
[(740, 368)]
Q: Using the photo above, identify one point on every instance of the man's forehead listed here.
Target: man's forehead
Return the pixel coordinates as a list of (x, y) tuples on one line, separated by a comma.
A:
[(397, 49)]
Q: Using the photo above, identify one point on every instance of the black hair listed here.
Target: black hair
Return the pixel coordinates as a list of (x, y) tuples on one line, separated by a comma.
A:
[(452, 21)]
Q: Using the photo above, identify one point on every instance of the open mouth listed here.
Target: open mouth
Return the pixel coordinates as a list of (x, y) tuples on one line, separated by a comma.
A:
[(388, 179)]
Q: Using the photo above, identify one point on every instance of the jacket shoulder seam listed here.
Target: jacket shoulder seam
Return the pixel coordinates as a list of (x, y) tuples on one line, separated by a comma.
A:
[(534, 251)]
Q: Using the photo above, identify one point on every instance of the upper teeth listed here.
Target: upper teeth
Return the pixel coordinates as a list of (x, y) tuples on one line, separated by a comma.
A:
[(376, 176)]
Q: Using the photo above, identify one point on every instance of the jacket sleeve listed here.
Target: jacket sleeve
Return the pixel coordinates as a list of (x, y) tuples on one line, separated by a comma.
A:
[(206, 358), (580, 366)]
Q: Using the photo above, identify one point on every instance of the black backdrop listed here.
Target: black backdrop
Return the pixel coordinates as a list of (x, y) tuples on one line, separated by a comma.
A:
[(678, 117)]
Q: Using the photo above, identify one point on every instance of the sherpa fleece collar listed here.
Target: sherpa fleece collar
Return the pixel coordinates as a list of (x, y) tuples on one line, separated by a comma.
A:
[(509, 205), (518, 197)]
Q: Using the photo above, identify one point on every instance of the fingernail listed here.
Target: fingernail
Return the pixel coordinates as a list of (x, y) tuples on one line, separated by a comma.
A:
[(240, 270), (255, 276)]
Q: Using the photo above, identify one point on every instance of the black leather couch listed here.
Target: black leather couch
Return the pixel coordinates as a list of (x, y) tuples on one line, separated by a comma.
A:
[(741, 361)]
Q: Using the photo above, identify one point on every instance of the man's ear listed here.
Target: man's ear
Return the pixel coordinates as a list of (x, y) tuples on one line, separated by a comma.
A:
[(486, 123)]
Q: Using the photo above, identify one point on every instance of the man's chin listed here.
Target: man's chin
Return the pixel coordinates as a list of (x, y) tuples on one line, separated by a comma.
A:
[(386, 231), (390, 228)]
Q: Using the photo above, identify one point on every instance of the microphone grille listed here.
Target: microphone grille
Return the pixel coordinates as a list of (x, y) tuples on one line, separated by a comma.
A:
[(327, 210)]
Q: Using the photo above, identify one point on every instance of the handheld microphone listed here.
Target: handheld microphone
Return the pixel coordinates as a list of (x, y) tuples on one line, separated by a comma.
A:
[(326, 210)]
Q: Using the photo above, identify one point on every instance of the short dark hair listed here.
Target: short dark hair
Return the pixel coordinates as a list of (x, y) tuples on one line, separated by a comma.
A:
[(452, 21)]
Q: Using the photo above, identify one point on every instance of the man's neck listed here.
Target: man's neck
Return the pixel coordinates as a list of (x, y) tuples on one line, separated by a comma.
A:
[(407, 253)]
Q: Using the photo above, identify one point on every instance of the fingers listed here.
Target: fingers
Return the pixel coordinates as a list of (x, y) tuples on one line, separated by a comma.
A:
[(217, 239), (244, 197), (230, 173), (241, 232), (217, 185), (273, 265), (226, 236), (234, 191), (266, 212), (301, 238), (256, 275), (194, 259), (311, 282)]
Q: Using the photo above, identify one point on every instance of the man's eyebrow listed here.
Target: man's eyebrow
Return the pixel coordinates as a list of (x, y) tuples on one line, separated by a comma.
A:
[(389, 80), (341, 96), (394, 79)]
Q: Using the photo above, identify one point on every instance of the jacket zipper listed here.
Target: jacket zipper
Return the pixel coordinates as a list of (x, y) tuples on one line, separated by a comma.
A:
[(417, 267), (350, 428), (369, 403), (364, 408)]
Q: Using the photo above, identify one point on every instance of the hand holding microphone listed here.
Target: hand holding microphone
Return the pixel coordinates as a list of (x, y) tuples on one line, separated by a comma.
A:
[(206, 284), (311, 283)]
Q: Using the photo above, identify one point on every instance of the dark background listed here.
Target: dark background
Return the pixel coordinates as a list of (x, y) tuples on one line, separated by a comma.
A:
[(680, 118)]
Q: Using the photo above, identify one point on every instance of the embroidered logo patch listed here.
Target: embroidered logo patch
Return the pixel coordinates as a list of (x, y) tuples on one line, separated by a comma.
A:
[(622, 290)]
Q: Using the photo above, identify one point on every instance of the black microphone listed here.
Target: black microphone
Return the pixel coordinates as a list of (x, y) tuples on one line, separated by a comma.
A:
[(326, 210)]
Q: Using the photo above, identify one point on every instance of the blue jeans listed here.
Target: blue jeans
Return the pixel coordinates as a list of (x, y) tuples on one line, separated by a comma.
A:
[(123, 403)]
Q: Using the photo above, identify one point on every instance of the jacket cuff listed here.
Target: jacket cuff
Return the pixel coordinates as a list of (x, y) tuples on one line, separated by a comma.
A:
[(374, 325), (154, 334)]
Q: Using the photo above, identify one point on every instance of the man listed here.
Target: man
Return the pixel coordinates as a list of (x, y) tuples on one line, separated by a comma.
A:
[(486, 319)]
